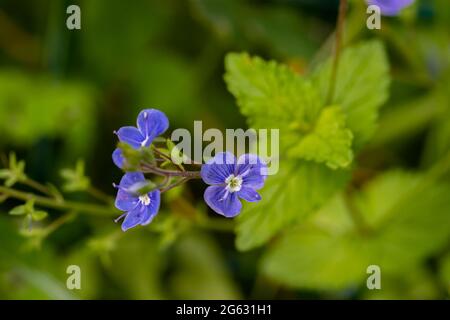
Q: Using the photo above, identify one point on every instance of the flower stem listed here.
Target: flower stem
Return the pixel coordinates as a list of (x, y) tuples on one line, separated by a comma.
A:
[(358, 219), (37, 186), (58, 223), (176, 184), (59, 205), (337, 50), (171, 173)]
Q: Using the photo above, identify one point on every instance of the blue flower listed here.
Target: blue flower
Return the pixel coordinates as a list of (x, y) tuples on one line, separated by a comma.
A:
[(390, 7), (231, 180), (150, 124), (118, 158), (139, 209)]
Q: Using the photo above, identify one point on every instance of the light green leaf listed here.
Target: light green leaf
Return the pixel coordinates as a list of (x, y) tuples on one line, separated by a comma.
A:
[(39, 215), (75, 179), (27, 208), (17, 211), (330, 141), (200, 270), (45, 107), (136, 266), (15, 173), (4, 173), (313, 259), (444, 271), (361, 87), (271, 95), (142, 187), (296, 190), (407, 216)]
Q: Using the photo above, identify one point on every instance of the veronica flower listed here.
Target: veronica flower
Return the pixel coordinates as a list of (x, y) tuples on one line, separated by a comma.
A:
[(390, 7), (139, 209), (232, 180), (118, 158), (150, 124)]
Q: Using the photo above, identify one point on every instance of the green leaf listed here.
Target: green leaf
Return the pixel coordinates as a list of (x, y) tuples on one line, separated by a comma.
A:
[(137, 273), (39, 215), (296, 190), (444, 271), (143, 187), (27, 208), (271, 95), (45, 107), (313, 259), (134, 158), (76, 179), (330, 141), (19, 210), (407, 215), (362, 83), (416, 226), (200, 270), (15, 173), (4, 173)]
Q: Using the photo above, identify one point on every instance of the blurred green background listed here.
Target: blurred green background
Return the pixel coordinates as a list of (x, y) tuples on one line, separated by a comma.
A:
[(63, 92)]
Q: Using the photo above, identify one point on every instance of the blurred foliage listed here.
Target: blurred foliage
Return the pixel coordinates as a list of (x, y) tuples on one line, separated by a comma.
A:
[(364, 176)]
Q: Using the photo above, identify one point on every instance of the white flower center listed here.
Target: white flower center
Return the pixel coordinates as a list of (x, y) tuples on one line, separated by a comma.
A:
[(233, 183), (144, 199)]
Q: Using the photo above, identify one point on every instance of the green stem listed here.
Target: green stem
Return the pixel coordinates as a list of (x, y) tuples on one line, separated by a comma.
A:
[(58, 223), (176, 184), (37, 186), (162, 172), (60, 205), (356, 216), (337, 49), (166, 157)]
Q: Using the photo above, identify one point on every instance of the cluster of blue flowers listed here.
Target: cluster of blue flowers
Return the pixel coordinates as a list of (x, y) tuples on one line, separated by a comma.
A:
[(230, 179)]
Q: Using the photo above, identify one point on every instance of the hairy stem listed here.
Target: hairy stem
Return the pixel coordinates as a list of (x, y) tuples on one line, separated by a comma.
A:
[(175, 184), (37, 186), (166, 157), (58, 223), (171, 173), (356, 216), (337, 50), (59, 205)]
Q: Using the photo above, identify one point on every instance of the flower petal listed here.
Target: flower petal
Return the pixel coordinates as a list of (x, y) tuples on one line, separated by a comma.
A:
[(118, 158), (131, 178), (390, 7), (126, 201), (152, 123), (130, 135), (253, 171), (152, 208), (249, 194), (217, 169), (134, 217), (222, 202)]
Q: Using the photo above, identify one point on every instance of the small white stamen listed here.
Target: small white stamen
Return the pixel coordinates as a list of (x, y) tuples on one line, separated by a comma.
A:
[(234, 184), (144, 142), (145, 199)]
